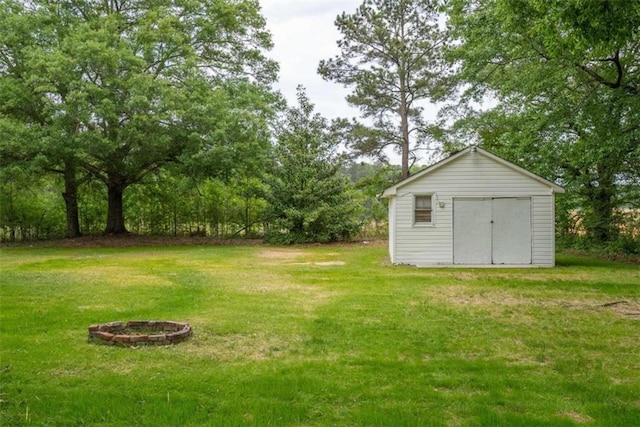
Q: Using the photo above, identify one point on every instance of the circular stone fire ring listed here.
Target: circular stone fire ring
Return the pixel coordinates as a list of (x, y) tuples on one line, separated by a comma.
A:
[(140, 332)]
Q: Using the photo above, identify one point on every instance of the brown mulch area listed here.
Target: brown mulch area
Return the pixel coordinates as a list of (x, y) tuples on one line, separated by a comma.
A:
[(133, 240), (130, 240)]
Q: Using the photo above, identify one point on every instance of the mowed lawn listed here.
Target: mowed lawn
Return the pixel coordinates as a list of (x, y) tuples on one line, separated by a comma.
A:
[(316, 335)]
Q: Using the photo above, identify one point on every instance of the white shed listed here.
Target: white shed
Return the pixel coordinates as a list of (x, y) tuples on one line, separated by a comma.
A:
[(472, 208)]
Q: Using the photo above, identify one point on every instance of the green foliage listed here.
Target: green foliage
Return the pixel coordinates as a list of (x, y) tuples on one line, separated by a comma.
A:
[(92, 205), (572, 231), (369, 181), (390, 57), (171, 203), (160, 111), (122, 90), (176, 205), (310, 199), (565, 78), (29, 208)]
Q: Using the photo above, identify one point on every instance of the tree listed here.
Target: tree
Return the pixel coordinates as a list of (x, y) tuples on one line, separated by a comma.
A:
[(140, 83), (29, 206), (566, 78), (369, 180), (390, 57), (29, 128), (310, 199)]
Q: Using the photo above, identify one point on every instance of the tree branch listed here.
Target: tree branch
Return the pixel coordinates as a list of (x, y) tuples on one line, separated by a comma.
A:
[(615, 59)]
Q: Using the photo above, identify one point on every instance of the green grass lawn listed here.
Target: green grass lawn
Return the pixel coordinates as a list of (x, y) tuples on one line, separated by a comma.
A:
[(318, 335)]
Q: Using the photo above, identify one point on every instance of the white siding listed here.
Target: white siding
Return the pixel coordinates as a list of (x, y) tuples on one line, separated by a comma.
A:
[(543, 230), (392, 229), (470, 175)]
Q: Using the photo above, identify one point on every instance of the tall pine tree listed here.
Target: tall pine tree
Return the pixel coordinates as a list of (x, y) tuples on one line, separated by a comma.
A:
[(390, 57)]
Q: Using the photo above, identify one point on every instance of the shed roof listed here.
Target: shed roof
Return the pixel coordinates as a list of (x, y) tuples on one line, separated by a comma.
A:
[(391, 191)]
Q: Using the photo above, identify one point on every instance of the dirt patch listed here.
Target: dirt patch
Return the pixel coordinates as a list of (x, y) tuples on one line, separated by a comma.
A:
[(465, 295), (461, 296), (465, 276), (307, 297), (627, 308), (576, 417), (329, 263), (322, 263), (277, 256), (281, 254), (120, 276), (630, 309), (258, 346)]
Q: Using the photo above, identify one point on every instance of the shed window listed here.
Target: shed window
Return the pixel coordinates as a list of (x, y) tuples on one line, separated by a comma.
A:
[(423, 213)]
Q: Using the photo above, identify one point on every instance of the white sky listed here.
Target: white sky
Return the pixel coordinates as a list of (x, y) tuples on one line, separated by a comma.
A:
[(303, 34)]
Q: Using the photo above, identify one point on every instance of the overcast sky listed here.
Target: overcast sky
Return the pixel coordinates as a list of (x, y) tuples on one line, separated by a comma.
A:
[(303, 34)]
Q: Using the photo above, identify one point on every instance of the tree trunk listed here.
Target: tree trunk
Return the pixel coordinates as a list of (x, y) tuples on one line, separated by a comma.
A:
[(115, 210), (601, 224), (404, 127), (405, 145), (70, 197), (404, 107)]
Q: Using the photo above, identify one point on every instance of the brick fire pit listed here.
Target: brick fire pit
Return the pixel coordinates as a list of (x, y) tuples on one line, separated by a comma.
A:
[(140, 332)]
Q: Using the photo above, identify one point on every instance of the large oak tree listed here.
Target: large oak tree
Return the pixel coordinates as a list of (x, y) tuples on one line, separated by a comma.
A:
[(125, 86), (32, 133)]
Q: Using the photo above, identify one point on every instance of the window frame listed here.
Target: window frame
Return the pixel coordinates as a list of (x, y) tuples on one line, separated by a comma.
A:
[(431, 209)]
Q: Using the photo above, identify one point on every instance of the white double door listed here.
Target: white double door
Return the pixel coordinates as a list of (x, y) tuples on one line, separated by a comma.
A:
[(492, 231)]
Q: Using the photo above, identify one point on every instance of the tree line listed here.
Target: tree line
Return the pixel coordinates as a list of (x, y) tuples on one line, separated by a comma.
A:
[(175, 204), (160, 116)]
